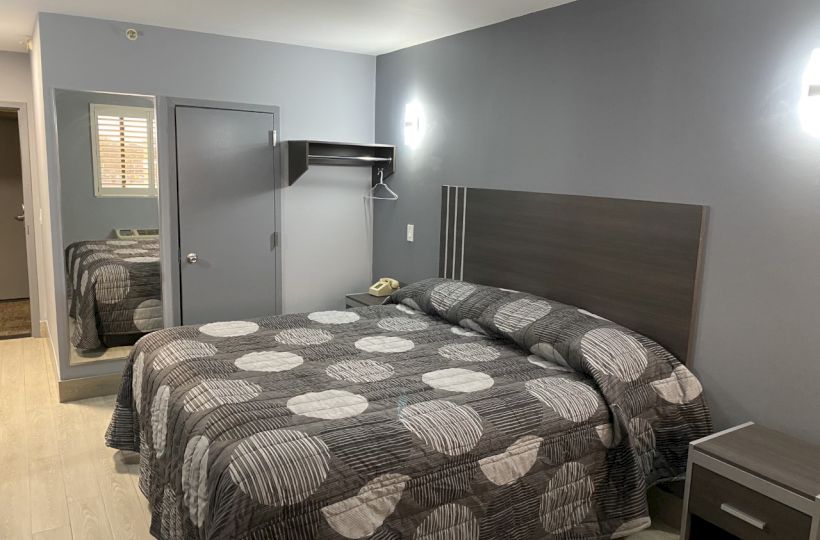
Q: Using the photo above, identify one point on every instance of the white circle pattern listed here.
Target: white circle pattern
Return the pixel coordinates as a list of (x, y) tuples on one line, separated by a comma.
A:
[(141, 259), (520, 313), (450, 293), (195, 478), (568, 498), (148, 315), (303, 336), (271, 361), (112, 283), (334, 317), (212, 393), (229, 328), (458, 380), (443, 426), (181, 350), (572, 400), (384, 344), (280, 467), (360, 371), (405, 309), (402, 324), (328, 405), (449, 522), (615, 353), (469, 352)]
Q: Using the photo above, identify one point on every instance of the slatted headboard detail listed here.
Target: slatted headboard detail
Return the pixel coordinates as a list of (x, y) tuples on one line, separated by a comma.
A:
[(637, 263)]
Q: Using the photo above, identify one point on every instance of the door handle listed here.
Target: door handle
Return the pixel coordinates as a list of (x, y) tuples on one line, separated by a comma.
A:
[(192, 258), (21, 217)]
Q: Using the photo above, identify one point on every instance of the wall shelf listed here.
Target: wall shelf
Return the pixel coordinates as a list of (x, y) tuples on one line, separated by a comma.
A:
[(302, 154)]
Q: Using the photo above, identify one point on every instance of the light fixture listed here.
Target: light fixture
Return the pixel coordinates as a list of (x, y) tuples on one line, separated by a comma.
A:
[(132, 34), (413, 124), (810, 96)]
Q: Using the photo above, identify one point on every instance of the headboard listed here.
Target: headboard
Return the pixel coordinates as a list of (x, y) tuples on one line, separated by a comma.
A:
[(636, 263)]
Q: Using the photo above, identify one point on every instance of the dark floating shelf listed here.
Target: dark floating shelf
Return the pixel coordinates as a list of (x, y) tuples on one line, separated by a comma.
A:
[(302, 154)]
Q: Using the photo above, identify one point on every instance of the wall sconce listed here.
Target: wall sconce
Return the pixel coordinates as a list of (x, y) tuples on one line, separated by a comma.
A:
[(810, 96), (413, 124)]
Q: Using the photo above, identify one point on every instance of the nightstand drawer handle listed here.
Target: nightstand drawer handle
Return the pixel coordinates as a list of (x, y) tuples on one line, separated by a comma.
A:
[(743, 516)]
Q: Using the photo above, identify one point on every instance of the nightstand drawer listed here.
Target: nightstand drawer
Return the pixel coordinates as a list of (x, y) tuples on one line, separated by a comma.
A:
[(742, 511)]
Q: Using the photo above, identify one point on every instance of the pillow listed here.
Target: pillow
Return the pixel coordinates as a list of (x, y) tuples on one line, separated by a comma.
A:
[(554, 331)]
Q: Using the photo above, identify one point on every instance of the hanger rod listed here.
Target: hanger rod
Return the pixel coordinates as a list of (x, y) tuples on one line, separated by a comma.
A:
[(367, 159)]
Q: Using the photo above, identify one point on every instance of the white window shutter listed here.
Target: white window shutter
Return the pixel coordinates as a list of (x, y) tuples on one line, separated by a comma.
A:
[(124, 147)]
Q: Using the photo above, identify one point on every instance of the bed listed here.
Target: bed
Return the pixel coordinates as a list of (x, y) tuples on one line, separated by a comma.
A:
[(419, 419), (114, 291), (457, 410)]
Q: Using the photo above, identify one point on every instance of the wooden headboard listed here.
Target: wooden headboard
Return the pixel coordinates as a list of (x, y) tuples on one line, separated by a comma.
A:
[(636, 263)]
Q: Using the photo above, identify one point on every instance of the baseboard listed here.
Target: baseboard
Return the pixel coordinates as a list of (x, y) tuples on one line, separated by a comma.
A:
[(89, 387)]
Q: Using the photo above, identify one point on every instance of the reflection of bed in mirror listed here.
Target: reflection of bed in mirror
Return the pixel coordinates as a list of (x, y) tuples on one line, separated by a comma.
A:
[(114, 291)]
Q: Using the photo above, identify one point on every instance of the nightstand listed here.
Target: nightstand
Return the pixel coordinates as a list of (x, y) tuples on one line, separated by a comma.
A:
[(750, 482), (363, 299)]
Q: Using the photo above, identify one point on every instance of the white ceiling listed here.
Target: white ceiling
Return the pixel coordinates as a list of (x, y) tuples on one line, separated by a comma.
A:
[(364, 26)]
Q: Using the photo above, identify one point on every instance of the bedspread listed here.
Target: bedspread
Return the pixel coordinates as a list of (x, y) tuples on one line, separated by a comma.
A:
[(460, 411), (114, 291)]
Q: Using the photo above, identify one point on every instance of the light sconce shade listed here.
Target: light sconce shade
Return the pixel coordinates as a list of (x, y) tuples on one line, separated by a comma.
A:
[(810, 96), (413, 124)]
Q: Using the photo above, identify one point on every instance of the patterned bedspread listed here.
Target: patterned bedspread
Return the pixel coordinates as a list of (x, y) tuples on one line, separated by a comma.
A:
[(460, 412), (114, 291)]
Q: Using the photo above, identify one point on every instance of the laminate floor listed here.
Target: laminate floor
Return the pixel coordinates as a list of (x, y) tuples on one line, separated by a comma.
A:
[(57, 478)]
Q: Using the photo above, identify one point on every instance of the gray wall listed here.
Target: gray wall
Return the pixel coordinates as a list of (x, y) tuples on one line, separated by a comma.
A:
[(86, 217), (13, 275), (670, 100), (321, 94)]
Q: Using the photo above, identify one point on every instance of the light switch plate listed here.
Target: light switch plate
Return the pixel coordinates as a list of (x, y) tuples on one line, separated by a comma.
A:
[(410, 232)]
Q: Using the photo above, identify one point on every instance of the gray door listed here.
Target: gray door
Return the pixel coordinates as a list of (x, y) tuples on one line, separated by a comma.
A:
[(13, 264), (225, 175)]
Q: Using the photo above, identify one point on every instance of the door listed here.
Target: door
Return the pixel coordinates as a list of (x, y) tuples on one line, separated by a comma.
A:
[(13, 267), (226, 197)]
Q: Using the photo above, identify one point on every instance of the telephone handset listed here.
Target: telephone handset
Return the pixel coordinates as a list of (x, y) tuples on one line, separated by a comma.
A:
[(384, 287)]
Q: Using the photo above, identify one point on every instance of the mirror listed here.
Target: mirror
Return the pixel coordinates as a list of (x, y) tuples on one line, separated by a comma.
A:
[(110, 221)]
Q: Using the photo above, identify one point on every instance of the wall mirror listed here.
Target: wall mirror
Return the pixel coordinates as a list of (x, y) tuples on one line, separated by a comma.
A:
[(109, 192)]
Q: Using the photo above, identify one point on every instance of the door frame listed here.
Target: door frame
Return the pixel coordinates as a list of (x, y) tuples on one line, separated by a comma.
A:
[(30, 219), (170, 255)]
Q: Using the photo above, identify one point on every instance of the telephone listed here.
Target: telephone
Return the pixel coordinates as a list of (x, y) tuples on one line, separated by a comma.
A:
[(384, 287)]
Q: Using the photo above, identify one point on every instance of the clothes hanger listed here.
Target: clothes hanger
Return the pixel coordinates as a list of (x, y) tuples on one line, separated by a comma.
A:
[(394, 196)]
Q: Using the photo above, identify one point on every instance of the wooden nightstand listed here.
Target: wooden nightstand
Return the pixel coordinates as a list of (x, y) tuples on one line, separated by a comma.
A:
[(750, 482), (363, 299)]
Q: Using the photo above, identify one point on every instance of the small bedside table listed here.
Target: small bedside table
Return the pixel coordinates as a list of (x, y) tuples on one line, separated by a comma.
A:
[(750, 482), (363, 299)]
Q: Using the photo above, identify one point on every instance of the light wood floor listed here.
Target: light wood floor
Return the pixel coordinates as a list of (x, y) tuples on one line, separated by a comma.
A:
[(57, 478)]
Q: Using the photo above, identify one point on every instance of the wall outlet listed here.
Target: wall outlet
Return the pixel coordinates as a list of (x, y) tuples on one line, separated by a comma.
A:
[(411, 231)]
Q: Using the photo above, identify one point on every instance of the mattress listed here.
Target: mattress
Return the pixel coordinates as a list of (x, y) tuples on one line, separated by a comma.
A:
[(114, 291), (458, 411)]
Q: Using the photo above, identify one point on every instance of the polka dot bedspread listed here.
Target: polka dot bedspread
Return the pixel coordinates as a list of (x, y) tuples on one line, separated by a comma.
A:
[(458, 411), (114, 291)]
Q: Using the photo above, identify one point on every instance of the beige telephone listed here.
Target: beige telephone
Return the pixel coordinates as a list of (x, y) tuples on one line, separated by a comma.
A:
[(384, 287)]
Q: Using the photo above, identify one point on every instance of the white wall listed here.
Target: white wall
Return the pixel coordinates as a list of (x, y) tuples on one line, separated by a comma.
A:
[(45, 250), (321, 94)]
